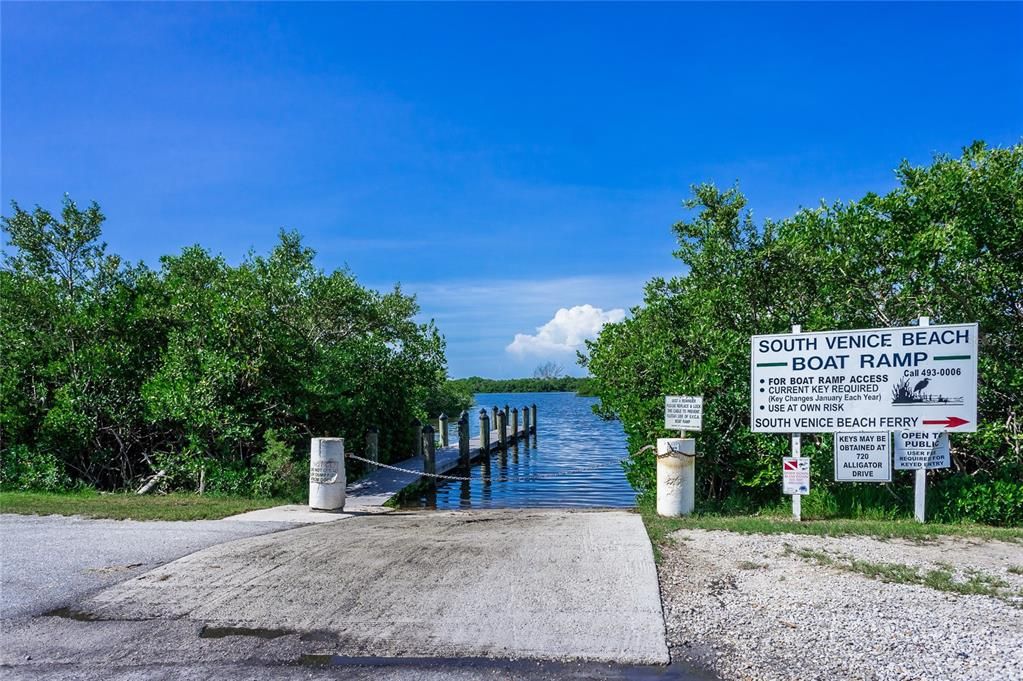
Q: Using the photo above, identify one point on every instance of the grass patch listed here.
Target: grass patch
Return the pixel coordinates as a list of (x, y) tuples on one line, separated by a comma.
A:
[(1015, 569), (660, 528), (122, 506), (976, 583)]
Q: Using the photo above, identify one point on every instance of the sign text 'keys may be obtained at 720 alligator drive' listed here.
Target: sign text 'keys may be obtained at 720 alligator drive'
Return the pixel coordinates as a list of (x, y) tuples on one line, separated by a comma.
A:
[(920, 378)]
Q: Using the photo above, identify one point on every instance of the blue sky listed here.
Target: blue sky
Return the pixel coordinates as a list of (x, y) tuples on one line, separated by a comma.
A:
[(504, 162)]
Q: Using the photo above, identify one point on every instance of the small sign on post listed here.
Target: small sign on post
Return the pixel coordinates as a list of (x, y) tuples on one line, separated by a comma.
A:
[(863, 457), (683, 412), (916, 450), (795, 475)]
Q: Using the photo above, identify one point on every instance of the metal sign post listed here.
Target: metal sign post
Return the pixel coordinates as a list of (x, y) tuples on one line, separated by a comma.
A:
[(920, 482), (796, 452)]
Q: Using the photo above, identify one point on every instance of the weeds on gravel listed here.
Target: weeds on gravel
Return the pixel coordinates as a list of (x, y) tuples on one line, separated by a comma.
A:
[(659, 528), (1016, 569), (941, 578)]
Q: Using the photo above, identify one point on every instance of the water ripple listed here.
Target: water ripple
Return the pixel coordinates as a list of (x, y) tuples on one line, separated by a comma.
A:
[(578, 454)]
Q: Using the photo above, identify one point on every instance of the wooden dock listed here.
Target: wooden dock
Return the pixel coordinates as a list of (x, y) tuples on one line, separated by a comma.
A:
[(371, 492)]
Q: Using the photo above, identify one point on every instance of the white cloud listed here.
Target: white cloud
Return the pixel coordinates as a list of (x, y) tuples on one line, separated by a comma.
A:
[(566, 332)]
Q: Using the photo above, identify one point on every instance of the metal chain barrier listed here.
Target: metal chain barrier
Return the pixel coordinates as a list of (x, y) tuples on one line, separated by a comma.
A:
[(460, 478), (671, 450)]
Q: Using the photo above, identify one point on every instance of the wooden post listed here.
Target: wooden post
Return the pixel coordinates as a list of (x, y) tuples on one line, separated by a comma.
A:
[(442, 426), (373, 445), (920, 481), (464, 457), (484, 434), (525, 424), (417, 425), (515, 424), (532, 417), (430, 453), (502, 431), (507, 416), (493, 418)]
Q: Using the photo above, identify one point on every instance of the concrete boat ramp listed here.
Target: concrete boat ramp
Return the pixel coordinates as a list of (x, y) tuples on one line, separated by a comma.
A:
[(506, 584), (564, 588)]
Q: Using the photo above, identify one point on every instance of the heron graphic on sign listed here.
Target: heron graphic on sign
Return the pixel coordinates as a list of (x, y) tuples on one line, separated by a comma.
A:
[(904, 394)]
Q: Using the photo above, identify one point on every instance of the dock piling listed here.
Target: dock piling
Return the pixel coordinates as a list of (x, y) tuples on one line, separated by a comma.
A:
[(532, 418), (484, 434), (430, 453), (373, 445), (464, 457), (502, 430), (515, 424), (417, 426)]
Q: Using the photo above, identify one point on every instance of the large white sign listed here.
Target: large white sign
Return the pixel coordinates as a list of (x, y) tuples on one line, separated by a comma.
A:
[(863, 457), (795, 475), (909, 378), (921, 450), (683, 412)]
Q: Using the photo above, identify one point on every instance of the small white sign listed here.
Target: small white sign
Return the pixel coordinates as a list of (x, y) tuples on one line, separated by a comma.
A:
[(795, 475), (863, 457), (915, 450), (683, 412), (909, 378)]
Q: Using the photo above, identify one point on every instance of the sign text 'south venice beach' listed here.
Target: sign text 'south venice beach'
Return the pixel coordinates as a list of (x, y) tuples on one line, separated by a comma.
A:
[(908, 378)]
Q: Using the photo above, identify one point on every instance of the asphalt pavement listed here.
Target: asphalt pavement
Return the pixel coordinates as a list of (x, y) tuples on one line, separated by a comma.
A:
[(49, 562)]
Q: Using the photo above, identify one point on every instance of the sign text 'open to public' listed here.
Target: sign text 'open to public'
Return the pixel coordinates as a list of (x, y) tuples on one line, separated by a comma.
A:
[(908, 378)]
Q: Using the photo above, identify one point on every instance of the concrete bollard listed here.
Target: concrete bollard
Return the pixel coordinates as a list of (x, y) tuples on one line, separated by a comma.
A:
[(417, 426), (464, 456), (442, 426), (502, 430), (327, 474), (484, 433), (532, 417), (430, 452), (515, 424), (373, 444), (676, 476)]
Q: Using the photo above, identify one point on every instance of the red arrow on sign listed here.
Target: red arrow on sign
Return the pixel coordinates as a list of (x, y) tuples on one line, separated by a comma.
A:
[(950, 422)]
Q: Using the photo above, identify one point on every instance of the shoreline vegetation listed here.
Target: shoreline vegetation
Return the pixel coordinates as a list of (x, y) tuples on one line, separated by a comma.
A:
[(562, 384)]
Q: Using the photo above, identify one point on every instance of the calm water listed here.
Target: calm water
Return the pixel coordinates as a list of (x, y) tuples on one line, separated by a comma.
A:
[(573, 461)]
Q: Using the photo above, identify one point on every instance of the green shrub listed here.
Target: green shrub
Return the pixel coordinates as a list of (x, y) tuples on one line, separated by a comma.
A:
[(964, 498), (280, 474), (23, 469)]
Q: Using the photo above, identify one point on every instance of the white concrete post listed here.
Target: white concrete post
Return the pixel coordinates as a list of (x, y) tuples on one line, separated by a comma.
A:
[(676, 476), (920, 481), (327, 474)]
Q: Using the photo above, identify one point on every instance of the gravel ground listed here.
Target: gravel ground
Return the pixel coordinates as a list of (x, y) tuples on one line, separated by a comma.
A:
[(750, 607)]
